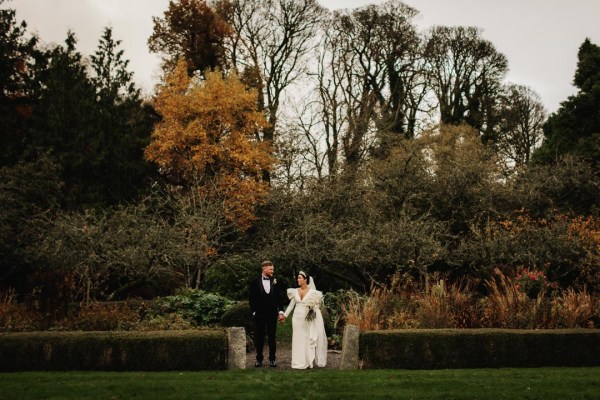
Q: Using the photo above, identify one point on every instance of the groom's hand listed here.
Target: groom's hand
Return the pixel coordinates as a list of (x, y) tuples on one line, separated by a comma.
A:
[(281, 318)]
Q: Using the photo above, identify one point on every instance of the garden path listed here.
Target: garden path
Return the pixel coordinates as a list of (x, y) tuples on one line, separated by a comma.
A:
[(284, 357)]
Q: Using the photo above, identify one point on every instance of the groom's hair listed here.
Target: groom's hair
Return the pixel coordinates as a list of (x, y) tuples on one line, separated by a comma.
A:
[(266, 263)]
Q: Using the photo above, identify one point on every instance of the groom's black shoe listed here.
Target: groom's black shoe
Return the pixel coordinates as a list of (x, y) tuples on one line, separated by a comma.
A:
[(258, 364), (272, 364)]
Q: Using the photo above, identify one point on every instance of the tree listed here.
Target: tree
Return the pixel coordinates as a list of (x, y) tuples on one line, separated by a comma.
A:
[(190, 30), (30, 192), (466, 73), (270, 46), (124, 122), (389, 52), (207, 138), (18, 58), (521, 117), (93, 124), (575, 127), (372, 72), (112, 79), (65, 122), (446, 173)]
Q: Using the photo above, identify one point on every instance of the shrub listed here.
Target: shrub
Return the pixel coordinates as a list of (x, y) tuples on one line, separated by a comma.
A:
[(103, 316), (365, 311), (239, 315), (479, 348), (438, 304), (17, 317), (564, 248), (508, 307), (333, 311), (531, 282), (447, 306), (230, 276), (572, 309), (197, 306), (131, 351), (168, 322)]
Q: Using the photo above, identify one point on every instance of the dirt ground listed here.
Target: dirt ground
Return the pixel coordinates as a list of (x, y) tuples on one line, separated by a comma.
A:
[(284, 357)]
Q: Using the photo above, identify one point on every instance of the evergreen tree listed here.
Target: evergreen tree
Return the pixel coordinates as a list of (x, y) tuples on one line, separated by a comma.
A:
[(125, 123), (94, 123), (18, 57), (66, 122), (575, 127)]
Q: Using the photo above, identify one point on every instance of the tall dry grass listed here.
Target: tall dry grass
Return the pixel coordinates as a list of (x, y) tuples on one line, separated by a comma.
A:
[(507, 307), (573, 309), (435, 303), (443, 305), (17, 317), (366, 312)]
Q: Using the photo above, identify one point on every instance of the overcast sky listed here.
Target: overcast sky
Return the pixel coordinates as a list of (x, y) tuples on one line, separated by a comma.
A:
[(540, 38)]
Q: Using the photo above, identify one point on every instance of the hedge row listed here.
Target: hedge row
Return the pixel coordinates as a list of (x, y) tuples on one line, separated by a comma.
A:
[(115, 351), (479, 348)]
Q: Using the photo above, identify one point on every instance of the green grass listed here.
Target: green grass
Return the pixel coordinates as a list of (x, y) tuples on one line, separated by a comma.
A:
[(530, 383)]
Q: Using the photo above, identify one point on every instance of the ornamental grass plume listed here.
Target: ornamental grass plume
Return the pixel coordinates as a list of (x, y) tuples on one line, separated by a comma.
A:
[(366, 312), (447, 306), (573, 309), (508, 307)]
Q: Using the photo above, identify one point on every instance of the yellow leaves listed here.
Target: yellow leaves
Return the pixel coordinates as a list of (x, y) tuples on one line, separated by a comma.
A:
[(208, 136)]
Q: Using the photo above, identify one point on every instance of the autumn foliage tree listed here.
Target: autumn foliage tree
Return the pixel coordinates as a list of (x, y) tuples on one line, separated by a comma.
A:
[(190, 30), (208, 140)]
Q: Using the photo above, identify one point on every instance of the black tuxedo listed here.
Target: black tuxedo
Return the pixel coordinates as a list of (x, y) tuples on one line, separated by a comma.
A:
[(265, 309)]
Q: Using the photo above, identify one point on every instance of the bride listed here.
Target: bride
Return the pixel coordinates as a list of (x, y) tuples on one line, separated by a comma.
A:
[(309, 341)]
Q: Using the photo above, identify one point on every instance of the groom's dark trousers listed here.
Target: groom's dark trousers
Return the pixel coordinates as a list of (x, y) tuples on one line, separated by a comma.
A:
[(265, 308)]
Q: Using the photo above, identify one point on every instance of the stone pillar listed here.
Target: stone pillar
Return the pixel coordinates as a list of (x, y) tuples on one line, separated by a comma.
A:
[(236, 344), (350, 347)]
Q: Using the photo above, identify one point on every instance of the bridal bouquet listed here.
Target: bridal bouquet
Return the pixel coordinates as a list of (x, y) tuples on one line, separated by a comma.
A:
[(313, 300)]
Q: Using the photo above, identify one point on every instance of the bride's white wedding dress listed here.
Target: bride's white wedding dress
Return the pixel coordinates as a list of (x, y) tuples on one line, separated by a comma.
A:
[(309, 340)]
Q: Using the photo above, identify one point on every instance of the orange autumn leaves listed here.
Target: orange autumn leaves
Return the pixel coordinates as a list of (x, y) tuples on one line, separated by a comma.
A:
[(209, 139)]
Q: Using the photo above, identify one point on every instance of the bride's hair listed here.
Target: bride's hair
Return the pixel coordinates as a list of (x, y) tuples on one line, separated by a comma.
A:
[(306, 277)]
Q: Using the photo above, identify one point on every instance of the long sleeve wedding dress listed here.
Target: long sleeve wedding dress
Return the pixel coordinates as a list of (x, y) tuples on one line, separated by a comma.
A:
[(309, 340)]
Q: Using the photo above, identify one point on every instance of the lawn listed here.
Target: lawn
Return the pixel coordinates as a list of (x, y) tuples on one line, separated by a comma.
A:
[(531, 383)]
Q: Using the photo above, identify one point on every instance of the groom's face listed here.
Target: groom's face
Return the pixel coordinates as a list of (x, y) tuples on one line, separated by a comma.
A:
[(268, 271)]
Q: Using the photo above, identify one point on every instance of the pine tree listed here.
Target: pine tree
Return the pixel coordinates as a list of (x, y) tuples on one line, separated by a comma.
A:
[(125, 123), (18, 57), (575, 127)]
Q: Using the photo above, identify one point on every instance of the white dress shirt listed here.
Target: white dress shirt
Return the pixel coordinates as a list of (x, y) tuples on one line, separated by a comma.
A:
[(266, 284)]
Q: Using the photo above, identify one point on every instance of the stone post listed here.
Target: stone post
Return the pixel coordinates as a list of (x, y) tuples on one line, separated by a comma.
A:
[(236, 344), (350, 348)]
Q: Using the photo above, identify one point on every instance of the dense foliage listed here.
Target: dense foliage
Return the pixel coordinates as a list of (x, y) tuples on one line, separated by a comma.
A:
[(371, 162)]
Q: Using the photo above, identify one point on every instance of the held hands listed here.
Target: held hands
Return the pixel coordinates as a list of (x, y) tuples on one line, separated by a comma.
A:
[(281, 318)]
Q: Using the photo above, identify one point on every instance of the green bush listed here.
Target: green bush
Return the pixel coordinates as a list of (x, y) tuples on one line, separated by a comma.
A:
[(239, 315), (230, 276), (479, 348), (333, 310), (114, 351), (104, 316), (200, 307)]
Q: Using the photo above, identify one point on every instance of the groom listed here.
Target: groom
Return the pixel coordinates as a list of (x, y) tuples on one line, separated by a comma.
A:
[(264, 305)]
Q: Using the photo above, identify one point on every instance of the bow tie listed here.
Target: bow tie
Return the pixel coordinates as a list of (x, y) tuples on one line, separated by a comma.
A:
[(265, 279)]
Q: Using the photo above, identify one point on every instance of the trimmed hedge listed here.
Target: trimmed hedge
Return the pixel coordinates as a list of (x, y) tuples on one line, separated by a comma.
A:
[(114, 351), (479, 348), (239, 314)]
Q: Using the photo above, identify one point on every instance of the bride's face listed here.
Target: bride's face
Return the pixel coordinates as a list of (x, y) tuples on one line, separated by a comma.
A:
[(301, 281)]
